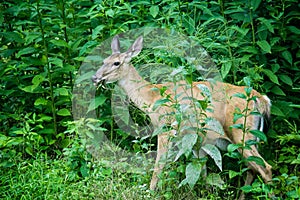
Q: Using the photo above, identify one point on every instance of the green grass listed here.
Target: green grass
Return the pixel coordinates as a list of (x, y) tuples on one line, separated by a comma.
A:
[(44, 178)]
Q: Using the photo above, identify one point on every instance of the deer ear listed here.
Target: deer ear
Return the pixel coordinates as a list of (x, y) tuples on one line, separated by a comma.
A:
[(115, 45), (136, 47)]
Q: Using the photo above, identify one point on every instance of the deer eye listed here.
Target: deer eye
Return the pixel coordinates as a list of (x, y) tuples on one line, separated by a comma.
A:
[(116, 63)]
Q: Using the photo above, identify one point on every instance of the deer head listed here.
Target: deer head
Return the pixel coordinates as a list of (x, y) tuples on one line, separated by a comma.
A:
[(116, 66)]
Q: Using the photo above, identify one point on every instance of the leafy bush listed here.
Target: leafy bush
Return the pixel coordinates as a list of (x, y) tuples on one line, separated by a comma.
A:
[(43, 44)]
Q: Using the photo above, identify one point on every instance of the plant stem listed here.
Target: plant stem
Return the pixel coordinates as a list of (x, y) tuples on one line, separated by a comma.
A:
[(53, 107)]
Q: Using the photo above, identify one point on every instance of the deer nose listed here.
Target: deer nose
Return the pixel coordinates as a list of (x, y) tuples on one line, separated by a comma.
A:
[(94, 78)]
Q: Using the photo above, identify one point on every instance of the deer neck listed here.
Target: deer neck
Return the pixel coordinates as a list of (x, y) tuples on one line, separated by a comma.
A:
[(136, 88)]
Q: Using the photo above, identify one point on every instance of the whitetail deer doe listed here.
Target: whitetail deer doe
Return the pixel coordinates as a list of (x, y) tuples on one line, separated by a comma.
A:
[(117, 68)]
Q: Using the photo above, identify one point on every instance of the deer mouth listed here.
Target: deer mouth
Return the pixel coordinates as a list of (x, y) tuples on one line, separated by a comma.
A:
[(98, 81)]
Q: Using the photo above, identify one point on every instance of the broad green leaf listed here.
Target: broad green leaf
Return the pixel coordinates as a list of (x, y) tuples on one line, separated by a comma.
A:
[(278, 91), (294, 29), (276, 111), (64, 112), (13, 36), (110, 12), (286, 79), (160, 102), (287, 56), (246, 188), (41, 101), (204, 90), (247, 81), (267, 23), (154, 10), (259, 134), (57, 62), (29, 88), (214, 153), (192, 173), (45, 118), (85, 48), (240, 95), (233, 147), (97, 30), (255, 4), (60, 43), (28, 50), (84, 77), (225, 69), (264, 45), (257, 160), (242, 31), (237, 116), (233, 174), (95, 103), (61, 92), (215, 180), (37, 79), (271, 76), (187, 143), (237, 126), (214, 125)]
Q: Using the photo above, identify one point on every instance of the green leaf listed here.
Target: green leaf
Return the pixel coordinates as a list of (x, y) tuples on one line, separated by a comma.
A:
[(97, 30), (257, 160), (13, 36), (237, 116), (276, 90), (246, 188), (294, 29), (60, 43), (233, 174), (225, 69), (233, 147), (28, 50), (267, 23), (187, 143), (214, 153), (64, 112), (240, 95), (259, 134), (255, 4), (287, 56), (237, 126), (41, 101), (95, 103), (214, 125), (160, 102), (286, 79), (204, 91), (276, 111), (271, 76), (247, 81), (154, 10), (264, 45), (37, 79), (61, 92), (192, 173), (215, 180)]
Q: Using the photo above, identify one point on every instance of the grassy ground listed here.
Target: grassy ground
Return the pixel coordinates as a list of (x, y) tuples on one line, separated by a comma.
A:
[(44, 178)]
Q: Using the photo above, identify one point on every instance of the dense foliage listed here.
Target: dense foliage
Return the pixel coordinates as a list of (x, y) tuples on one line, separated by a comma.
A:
[(43, 44)]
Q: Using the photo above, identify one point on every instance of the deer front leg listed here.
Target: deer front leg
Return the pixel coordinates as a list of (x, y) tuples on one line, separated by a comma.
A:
[(162, 148)]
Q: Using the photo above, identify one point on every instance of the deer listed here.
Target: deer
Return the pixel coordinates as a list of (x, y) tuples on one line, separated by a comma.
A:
[(118, 68)]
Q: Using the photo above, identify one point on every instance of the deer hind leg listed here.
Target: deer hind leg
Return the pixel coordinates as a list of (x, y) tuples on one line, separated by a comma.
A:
[(236, 135), (162, 148)]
